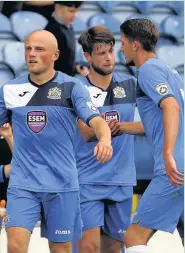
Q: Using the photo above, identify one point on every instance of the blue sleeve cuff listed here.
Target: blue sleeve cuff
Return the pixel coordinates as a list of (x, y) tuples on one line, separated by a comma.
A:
[(167, 96), (91, 117)]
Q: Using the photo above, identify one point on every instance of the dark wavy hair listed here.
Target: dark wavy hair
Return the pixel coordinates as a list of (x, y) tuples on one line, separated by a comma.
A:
[(95, 35), (142, 30)]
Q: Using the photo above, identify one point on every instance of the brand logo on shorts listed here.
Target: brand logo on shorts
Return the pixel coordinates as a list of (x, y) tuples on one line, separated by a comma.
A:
[(54, 93), (121, 231), (119, 92), (36, 121), (110, 115), (162, 88), (62, 232), (6, 219)]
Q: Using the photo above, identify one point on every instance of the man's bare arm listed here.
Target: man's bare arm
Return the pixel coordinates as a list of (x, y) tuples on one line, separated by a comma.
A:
[(171, 116)]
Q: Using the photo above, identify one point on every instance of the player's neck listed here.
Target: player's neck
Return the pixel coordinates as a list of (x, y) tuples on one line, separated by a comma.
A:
[(100, 81), (143, 57), (42, 78)]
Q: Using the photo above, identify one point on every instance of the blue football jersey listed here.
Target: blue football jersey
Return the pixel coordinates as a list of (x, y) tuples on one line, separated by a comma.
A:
[(44, 127), (117, 102), (156, 81)]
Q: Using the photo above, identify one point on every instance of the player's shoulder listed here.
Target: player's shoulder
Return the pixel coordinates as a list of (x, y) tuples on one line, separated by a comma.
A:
[(70, 81), (18, 80), (151, 65), (120, 77)]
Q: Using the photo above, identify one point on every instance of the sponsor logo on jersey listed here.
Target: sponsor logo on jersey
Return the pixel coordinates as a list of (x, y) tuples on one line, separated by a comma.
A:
[(36, 121), (119, 92), (54, 93), (92, 107), (62, 232), (110, 115), (23, 94), (162, 88), (97, 95)]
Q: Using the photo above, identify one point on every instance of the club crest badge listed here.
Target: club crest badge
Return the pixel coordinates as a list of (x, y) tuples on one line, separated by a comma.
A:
[(119, 92), (162, 88), (92, 107), (54, 93)]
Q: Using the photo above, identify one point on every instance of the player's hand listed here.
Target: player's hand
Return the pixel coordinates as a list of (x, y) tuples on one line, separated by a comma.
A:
[(114, 127), (82, 70), (103, 151), (6, 130), (175, 177), (7, 170)]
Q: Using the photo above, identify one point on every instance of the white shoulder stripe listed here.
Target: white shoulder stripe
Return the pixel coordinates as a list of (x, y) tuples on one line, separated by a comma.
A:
[(97, 96), (17, 95)]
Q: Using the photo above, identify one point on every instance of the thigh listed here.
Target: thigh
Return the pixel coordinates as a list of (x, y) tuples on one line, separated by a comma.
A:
[(18, 239), (160, 206), (118, 215), (90, 241), (22, 210), (61, 218)]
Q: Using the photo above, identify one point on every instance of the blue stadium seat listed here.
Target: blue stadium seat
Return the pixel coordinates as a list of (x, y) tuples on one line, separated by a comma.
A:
[(106, 20), (154, 11), (164, 42), (174, 26), (152, 6), (80, 59), (121, 68), (158, 19), (88, 9), (5, 24), (79, 25), (6, 73), (13, 55), (180, 70), (107, 6), (23, 71), (172, 55), (117, 52), (124, 10), (6, 34), (25, 22), (177, 7), (122, 57)]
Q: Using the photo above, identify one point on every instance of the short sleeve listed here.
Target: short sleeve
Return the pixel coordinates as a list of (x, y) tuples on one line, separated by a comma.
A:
[(82, 103), (153, 81), (3, 109)]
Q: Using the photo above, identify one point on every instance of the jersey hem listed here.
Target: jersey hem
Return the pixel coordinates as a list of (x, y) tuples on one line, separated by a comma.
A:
[(108, 183), (44, 190)]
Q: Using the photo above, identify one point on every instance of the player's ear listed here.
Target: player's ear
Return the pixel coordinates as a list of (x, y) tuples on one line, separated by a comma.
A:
[(135, 45), (87, 56), (56, 55)]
